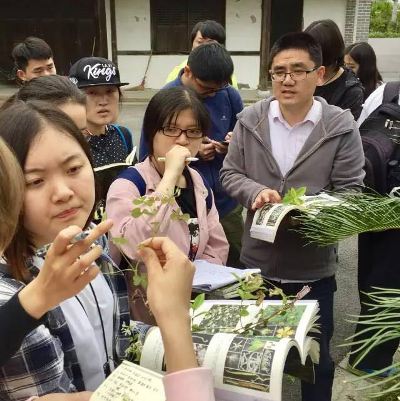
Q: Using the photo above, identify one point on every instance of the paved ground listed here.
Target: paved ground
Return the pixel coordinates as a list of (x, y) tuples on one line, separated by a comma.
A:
[(346, 300)]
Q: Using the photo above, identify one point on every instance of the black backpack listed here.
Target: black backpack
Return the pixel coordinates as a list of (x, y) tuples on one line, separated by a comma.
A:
[(380, 135)]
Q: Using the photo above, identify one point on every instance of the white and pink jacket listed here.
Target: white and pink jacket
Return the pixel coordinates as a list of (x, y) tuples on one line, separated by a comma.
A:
[(213, 245)]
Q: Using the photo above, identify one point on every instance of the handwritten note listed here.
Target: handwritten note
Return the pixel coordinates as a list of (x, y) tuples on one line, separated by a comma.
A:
[(130, 382)]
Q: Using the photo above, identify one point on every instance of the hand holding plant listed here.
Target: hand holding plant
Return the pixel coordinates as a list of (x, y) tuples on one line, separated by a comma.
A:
[(170, 277)]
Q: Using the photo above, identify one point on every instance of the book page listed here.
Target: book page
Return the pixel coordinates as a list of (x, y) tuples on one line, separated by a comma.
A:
[(209, 276), (244, 367), (130, 382), (267, 219)]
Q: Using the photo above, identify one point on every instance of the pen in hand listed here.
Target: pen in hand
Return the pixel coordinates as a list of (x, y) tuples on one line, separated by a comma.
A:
[(188, 159)]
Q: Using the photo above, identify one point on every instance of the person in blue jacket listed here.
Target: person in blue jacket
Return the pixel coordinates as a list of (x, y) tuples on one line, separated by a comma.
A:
[(208, 73)]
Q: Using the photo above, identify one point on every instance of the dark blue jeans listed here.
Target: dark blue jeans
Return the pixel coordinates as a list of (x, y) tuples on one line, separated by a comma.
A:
[(323, 291)]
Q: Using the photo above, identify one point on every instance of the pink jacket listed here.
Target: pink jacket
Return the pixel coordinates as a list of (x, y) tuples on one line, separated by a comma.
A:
[(213, 245), (185, 385)]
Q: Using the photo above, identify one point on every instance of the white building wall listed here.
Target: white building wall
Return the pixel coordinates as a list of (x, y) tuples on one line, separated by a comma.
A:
[(243, 26), (133, 24), (316, 9), (108, 27), (243, 31), (132, 69)]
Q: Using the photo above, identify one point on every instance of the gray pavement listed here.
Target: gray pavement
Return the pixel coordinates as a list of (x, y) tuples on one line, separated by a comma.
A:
[(346, 299)]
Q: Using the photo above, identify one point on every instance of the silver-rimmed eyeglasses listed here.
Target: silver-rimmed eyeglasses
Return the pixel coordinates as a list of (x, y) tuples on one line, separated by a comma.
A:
[(176, 132), (297, 75)]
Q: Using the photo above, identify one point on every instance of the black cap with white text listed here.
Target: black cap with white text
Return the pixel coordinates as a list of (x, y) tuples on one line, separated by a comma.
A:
[(94, 71)]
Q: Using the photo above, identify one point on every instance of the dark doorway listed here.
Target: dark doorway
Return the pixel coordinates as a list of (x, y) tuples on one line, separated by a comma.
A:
[(72, 28), (172, 22), (286, 16)]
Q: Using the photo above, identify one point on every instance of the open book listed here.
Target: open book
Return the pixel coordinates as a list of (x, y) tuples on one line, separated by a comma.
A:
[(209, 276), (130, 382), (247, 367), (267, 219)]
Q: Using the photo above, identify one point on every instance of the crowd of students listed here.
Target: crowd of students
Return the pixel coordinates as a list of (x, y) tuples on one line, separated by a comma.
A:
[(64, 161)]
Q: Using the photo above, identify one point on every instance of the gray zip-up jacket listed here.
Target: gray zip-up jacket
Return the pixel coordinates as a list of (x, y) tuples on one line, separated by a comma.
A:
[(332, 158)]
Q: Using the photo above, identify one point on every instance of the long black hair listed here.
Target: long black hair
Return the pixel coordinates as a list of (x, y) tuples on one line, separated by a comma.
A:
[(363, 54), (328, 35)]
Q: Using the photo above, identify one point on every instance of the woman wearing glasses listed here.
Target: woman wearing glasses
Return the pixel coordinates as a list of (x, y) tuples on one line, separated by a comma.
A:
[(174, 125)]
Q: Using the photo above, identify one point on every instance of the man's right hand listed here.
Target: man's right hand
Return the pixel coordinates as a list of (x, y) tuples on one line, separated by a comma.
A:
[(265, 196), (207, 151)]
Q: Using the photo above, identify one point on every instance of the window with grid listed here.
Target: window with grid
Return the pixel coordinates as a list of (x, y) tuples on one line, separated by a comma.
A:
[(172, 22)]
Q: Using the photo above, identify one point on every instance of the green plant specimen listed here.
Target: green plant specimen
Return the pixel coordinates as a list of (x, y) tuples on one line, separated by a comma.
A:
[(358, 213)]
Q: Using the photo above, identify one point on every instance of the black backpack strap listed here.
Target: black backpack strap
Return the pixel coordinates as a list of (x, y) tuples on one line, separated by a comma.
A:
[(391, 92), (125, 135), (131, 174), (209, 199)]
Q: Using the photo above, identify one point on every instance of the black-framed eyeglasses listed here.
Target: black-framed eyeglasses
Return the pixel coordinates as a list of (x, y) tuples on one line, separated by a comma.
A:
[(176, 132), (297, 75), (206, 90)]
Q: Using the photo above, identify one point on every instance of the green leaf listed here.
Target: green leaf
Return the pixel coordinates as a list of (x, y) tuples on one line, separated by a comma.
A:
[(243, 311), (137, 280), (149, 201), (136, 212), (195, 327), (155, 226), (185, 217), (256, 345), (198, 301), (119, 240), (293, 196), (245, 295), (301, 191)]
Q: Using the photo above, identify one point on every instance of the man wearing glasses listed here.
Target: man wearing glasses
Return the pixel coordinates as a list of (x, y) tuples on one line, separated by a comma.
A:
[(208, 73), (290, 140)]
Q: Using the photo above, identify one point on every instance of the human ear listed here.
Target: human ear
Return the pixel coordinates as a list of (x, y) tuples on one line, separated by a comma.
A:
[(187, 71), (320, 75), (21, 75)]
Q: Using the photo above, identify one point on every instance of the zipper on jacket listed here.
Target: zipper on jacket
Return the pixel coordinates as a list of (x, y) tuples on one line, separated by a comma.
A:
[(282, 185)]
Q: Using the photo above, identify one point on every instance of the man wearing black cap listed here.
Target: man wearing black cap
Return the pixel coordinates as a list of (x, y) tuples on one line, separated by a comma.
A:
[(111, 144)]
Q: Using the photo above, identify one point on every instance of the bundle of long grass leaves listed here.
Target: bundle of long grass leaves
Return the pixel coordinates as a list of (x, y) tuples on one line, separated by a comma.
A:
[(381, 325), (357, 213)]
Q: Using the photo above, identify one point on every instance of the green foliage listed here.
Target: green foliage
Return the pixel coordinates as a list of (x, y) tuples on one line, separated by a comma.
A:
[(256, 345), (293, 196), (357, 214), (134, 351), (381, 326), (380, 23), (118, 241), (243, 312), (197, 302)]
